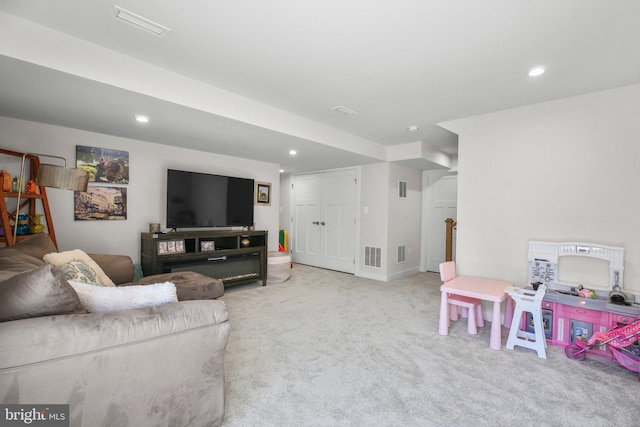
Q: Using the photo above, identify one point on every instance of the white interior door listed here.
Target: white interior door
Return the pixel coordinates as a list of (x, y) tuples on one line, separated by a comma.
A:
[(324, 220), (338, 223), (444, 204), (307, 211)]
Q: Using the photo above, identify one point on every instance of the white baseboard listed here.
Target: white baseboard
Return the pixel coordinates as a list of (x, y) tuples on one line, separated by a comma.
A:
[(404, 273), (371, 275), (386, 278)]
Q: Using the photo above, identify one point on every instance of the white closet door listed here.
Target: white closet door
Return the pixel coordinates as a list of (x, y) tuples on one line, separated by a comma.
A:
[(307, 196), (338, 230), (324, 220)]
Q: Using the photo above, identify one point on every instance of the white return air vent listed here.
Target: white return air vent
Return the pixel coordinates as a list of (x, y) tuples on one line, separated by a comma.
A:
[(372, 256), (402, 254), (402, 189)]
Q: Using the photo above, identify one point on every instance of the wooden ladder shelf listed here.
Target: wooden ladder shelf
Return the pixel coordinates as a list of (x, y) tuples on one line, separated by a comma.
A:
[(28, 202)]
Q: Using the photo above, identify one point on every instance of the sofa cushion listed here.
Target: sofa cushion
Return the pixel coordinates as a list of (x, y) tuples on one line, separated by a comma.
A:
[(13, 262), (40, 292), (25, 255), (107, 298), (79, 266), (37, 245), (190, 285)]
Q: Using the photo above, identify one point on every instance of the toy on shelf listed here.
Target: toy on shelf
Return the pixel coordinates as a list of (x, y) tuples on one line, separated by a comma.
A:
[(586, 293)]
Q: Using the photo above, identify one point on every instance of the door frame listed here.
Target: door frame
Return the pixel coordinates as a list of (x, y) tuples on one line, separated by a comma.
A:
[(429, 180)]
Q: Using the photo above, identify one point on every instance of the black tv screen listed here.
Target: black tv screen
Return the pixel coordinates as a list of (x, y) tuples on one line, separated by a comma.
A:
[(203, 200)]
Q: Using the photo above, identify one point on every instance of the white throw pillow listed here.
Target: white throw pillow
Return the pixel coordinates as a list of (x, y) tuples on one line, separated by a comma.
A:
[(102, 298), (79, 266)]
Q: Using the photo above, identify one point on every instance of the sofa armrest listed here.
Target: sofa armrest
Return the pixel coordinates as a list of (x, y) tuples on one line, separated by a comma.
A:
[(119, 268)]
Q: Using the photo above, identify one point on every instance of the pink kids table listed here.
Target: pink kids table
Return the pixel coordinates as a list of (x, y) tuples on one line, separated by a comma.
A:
[(484, 289)]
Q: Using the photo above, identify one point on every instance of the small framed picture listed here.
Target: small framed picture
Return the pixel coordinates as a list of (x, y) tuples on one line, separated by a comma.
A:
[(263, 193), (207, 246), (162, 247), (166, 247)]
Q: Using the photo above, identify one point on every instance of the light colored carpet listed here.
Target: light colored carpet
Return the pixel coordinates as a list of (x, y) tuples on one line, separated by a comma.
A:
[(330, 349)]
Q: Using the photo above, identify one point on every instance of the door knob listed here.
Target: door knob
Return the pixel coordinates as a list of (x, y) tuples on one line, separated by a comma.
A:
[(322, 223), (315, 223)]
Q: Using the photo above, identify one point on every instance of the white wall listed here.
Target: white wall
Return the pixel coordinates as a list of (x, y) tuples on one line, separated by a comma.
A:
[(404, 220), (565, 170), (374, 217), (387, 221), (146, 192)]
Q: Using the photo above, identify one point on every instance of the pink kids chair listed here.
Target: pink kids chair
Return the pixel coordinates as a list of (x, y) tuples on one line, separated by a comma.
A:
[(472, 307)]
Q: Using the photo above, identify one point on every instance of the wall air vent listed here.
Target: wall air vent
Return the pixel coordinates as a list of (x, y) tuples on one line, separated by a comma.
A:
[(402, 254), (372, 256), (139, 22), (402, 189)]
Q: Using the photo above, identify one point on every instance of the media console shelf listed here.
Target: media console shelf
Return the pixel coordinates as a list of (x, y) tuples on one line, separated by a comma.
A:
[(235, 257)]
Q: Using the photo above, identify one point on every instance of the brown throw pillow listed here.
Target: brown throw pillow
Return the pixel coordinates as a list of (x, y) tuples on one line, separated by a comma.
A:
[(40, 292)]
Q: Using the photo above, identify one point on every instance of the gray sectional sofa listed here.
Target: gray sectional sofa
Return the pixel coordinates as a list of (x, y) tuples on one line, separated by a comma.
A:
[(152, 366)]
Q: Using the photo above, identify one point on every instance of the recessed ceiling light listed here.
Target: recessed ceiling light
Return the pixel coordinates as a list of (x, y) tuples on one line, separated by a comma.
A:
[(413, 129), (536, 71), (293, 152), (281, 170), (142, 119)]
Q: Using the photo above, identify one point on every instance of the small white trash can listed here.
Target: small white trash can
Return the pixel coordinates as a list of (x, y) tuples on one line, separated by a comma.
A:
[(278, 267)]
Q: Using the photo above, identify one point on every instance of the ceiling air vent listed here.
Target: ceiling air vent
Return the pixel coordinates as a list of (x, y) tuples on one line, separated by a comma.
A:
[(140, 22), (344, 110)]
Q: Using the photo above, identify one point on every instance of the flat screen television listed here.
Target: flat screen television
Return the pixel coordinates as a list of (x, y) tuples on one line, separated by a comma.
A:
[(203, 200)]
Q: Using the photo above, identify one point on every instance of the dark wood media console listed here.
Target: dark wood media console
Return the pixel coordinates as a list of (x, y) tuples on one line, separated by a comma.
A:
[(235, 257)]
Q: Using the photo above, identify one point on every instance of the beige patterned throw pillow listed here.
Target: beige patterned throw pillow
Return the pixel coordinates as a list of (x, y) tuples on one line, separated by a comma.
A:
[(79, 266)]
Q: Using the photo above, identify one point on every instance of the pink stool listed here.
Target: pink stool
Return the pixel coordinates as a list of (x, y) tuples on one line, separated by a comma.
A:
[(472, 307)]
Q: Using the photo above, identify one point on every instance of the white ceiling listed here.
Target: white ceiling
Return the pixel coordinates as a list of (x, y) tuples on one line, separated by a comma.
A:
[(396, 63)]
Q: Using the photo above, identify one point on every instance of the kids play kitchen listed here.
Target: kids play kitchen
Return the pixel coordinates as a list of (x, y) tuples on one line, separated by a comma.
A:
[(572, 312)]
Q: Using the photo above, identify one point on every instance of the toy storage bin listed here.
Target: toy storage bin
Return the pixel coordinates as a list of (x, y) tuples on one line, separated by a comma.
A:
[(278, 267)]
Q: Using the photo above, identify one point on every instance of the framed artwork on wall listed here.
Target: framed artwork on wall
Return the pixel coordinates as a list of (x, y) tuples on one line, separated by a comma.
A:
[(263, 193), (104, 165), (100, 203)]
